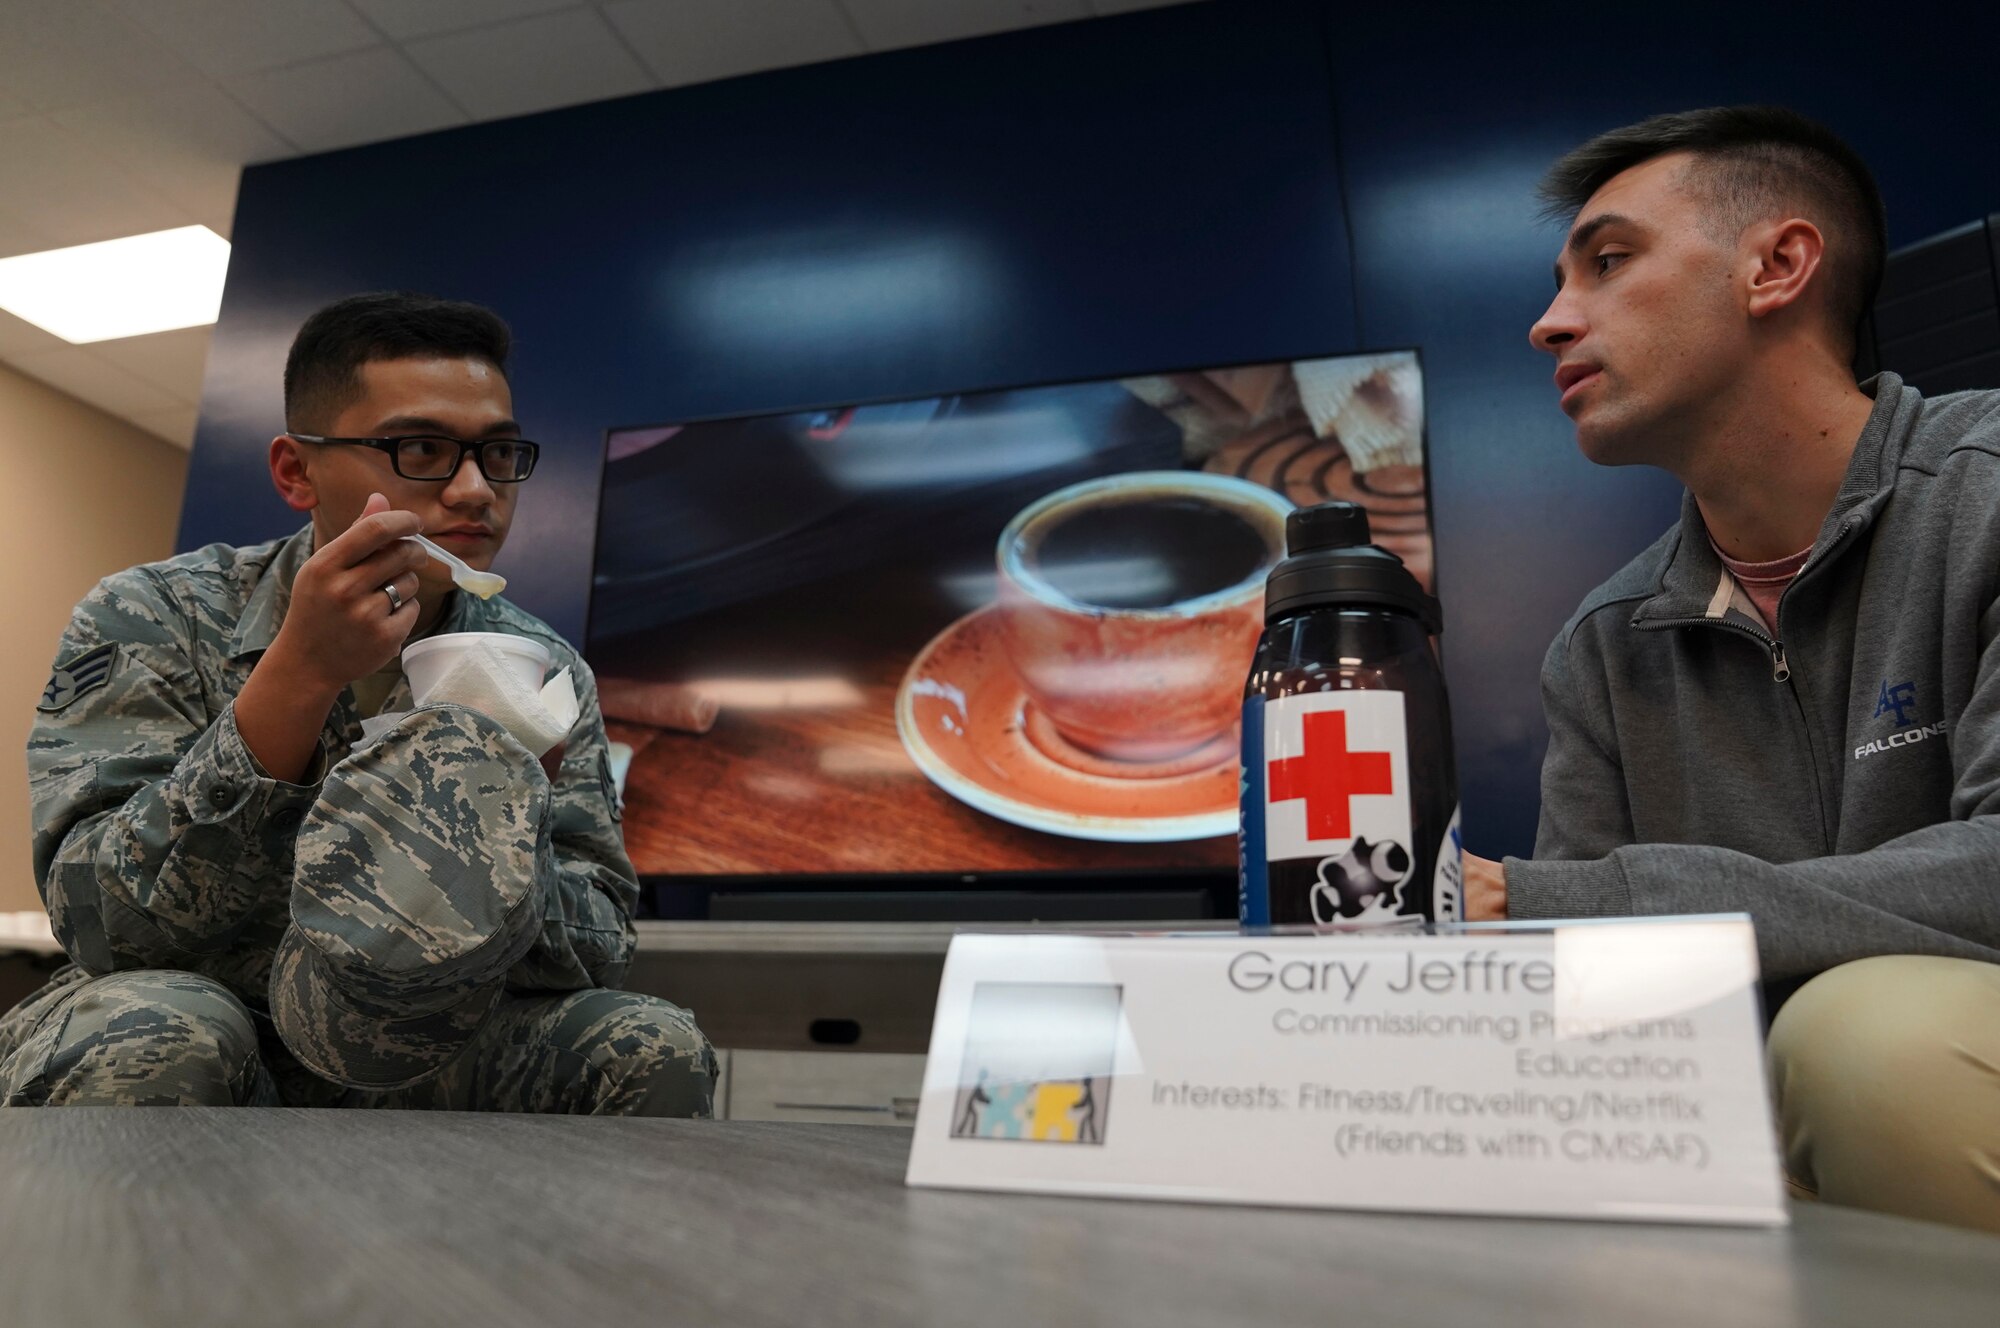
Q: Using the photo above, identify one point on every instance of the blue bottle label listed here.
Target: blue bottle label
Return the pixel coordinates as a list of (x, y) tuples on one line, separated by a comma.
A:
[(1253, 876), (1448, 881)]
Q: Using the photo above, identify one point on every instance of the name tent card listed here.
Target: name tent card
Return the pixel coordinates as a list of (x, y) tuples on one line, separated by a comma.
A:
[(1597, 1070)]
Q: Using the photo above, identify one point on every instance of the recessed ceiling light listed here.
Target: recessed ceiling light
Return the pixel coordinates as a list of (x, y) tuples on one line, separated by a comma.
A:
[(119, 288)]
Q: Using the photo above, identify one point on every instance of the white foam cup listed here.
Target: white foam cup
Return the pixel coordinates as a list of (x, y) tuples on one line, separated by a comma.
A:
[(427, 661)]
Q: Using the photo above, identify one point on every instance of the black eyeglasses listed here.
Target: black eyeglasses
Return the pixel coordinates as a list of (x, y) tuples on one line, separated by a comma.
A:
[(426, 456)]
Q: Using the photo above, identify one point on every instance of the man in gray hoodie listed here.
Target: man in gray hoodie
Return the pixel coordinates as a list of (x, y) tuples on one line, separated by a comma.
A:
[(1790, 704)]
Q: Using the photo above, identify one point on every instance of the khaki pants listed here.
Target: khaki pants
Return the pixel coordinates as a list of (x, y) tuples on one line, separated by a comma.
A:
[(1887, 1076)]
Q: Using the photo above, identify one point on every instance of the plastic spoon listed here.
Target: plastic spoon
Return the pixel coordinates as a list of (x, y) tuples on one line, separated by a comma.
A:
[(469, 579)]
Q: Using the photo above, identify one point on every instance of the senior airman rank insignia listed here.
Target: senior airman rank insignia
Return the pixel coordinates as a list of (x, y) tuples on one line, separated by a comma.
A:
[(86, 673)]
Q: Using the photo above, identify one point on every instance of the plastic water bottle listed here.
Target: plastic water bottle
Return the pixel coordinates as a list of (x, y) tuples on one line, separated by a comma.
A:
[(1350, 793)]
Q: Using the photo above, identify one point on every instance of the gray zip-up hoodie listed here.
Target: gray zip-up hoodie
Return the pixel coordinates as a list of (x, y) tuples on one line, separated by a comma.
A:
[(1839, 780)]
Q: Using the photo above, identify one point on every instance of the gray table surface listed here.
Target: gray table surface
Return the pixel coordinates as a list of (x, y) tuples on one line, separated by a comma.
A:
[(220, 1217)]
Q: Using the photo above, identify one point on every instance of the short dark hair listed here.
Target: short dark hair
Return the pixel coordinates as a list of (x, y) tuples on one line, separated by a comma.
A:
[(322, 370), (1753, 161)]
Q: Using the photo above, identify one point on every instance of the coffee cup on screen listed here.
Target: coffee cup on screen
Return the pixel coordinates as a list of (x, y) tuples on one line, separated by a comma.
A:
[(1132, 604)]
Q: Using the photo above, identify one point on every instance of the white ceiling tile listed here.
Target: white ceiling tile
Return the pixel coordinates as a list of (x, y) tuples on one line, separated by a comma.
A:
[(58, 185), (18, 236), (171, 361), (888, 23), (173, 426), (403, 19), (692, 41), (350, 99), (532, 65), (88, 377), (20, 337), (56, 53), (237, 36), (188, 144)]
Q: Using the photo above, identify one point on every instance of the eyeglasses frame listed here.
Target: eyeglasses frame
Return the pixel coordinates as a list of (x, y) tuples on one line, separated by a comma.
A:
[(390, 445)]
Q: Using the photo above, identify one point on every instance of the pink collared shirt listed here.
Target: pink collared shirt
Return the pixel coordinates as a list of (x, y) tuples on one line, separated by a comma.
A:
[(1765, 582)]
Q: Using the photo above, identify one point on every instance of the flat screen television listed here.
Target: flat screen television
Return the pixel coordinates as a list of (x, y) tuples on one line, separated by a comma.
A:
[(977, 644)]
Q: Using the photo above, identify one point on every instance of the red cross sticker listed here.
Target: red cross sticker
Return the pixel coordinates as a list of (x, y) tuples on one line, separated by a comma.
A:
[(1327, 775)]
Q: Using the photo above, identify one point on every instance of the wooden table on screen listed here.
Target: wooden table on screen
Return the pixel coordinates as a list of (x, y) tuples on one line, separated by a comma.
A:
[(221, 1217), (809, 788)]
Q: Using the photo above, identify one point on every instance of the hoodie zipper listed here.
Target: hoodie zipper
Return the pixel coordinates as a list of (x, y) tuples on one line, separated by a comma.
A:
[(1781, 672), (1781, 668)]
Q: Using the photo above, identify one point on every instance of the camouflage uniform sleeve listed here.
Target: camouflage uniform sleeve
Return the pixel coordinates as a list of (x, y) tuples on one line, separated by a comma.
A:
[(156, 831), (589, 886)]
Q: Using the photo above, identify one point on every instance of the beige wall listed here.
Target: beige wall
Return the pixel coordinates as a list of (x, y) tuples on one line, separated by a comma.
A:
[(81, 495)]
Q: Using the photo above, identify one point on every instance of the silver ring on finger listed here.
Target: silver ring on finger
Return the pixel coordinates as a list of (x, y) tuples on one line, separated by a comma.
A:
[(395, 597)]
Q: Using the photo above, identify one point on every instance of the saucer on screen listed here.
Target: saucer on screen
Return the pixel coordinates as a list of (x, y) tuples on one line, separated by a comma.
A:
[(967, 722)]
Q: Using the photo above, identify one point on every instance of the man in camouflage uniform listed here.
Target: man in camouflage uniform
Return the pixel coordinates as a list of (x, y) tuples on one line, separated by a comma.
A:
[(264, 907)]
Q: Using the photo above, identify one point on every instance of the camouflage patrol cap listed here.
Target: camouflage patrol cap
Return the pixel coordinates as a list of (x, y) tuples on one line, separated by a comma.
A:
[(415, 891)]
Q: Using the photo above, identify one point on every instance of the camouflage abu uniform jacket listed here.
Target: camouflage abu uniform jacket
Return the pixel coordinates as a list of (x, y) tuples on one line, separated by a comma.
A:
[(160, 842)]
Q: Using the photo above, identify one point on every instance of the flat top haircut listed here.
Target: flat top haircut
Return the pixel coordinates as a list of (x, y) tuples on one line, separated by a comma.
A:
[(1751, 164), (322, 372)]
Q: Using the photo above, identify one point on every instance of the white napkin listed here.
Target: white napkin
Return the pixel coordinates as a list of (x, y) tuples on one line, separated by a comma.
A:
[(483, 679)]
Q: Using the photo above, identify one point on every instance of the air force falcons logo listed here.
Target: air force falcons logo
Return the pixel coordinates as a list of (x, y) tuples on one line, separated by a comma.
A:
[(1895, 700), (80, 676)]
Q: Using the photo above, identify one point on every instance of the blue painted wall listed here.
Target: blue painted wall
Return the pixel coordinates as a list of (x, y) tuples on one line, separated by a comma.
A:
[(1154, 191), (1158, 190)]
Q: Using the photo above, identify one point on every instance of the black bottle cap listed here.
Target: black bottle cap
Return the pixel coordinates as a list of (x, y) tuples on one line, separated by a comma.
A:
[(1330, 563), (1327, 526)]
